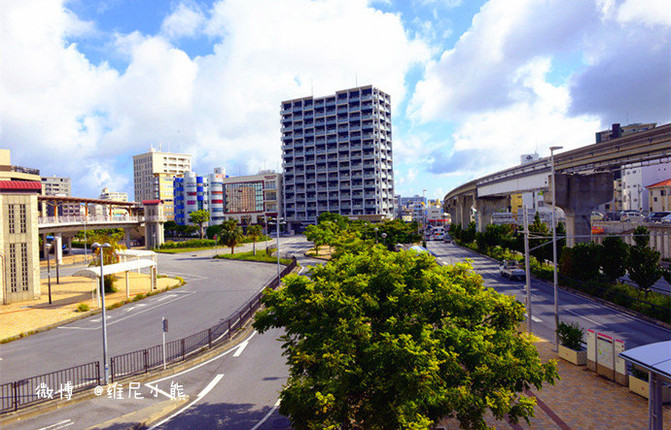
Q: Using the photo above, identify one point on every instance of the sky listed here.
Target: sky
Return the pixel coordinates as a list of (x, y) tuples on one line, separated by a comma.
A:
[(85, 85)]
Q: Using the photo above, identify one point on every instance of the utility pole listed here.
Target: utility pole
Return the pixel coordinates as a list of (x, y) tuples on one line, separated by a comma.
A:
[(527, 270)]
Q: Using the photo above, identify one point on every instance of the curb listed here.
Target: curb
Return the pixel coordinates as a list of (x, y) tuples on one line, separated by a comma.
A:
[(39, 409), (586, 296), (142, 418)]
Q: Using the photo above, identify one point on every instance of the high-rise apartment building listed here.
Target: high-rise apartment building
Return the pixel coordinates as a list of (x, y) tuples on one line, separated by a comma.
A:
[(153, 176), (337, 156)]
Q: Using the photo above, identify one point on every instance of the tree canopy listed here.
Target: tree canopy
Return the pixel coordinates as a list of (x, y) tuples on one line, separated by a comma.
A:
[(383, 340), (199, 218), (254, 232), (230, 234)]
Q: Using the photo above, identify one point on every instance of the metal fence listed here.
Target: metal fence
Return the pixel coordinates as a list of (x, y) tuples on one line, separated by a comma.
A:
[(144, 360), (49, 386), (63, 383)]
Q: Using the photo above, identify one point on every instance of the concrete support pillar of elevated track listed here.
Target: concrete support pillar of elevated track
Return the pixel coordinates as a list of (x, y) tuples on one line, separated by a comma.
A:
[(578, 195)]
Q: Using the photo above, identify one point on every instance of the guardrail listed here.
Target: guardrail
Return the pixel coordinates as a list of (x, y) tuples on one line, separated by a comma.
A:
[(88, 219), (62, 383), (49, 386)]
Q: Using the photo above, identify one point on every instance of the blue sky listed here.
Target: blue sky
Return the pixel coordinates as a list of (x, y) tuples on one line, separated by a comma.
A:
[(474, 84)]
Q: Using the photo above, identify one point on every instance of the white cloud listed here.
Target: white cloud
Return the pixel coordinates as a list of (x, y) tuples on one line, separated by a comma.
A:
[(185, 21), (648, 12), (64, 114)]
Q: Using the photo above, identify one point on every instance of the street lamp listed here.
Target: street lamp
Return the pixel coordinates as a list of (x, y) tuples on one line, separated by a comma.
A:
[(95, 246), (48, 247), (277, 223), (424, 211), (376, 235), (554, 243), (384, 239)]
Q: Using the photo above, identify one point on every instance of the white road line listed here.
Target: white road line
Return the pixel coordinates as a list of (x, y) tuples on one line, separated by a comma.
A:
[(582, 316), (199, 365), (177, 297), (241, 348), (59, 425), (264, 419), (158, 390), (202, 394), (166, 297)]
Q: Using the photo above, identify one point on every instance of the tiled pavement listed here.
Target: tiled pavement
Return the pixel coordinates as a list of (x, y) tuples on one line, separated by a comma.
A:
[(581, 400)]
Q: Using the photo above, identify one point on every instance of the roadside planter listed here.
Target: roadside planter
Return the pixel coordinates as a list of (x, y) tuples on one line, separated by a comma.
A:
[(638, 383), (570, 344)]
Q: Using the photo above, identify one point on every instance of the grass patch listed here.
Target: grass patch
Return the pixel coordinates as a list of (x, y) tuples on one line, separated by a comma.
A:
[(182, 250), (261, 256)]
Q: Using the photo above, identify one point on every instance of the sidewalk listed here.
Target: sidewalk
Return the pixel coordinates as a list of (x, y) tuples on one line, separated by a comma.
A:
[(580, 400), (36, 315)]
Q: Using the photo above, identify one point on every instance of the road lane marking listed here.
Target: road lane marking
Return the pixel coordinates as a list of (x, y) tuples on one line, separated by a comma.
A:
[(582, 316), (533, 318), (199, 365), (241, 348), (59, 425), (202, 394), (166, 297), (264, 419), (244, 344)]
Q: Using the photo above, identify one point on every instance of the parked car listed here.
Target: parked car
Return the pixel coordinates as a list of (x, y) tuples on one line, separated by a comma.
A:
[(631, 216), (447, 238), (511, 269), (612, 216), (666, 219), (596, 216), (656, 216)]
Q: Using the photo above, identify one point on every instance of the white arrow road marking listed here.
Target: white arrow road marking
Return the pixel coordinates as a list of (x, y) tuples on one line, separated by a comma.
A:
[(202, 394), (166, 297), (59, 425), (243, 345), (139, 305), (264, 419)]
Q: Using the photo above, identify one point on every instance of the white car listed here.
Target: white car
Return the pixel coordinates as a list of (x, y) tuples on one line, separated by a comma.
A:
[(666, 219)]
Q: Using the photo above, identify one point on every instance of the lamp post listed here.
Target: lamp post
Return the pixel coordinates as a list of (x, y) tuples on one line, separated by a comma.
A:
[(554, 243), (376, 235), (277, 223), (424, 211), (95, 246), (384, 239), (48, 247)]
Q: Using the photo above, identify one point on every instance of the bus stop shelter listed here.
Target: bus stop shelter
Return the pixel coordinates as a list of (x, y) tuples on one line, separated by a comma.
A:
[(125, 267), (656, 359)]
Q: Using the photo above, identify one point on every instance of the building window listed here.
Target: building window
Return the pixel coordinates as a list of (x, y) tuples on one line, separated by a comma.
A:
[(11, 219), (24, 266), (22, 218), (12, 268)]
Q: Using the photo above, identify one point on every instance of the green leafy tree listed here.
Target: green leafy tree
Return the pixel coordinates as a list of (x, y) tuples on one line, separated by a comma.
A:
[(230, 234), (199, 218), (383, 340), (643, 264), (468, 234), (641, 236), (614, 255), (317, 234), (113, 237), (254, 233), (581, 262), (212, 230), (339, 220), (667, 275)]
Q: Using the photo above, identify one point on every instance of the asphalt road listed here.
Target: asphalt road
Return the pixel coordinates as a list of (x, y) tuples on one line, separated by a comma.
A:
[(572, 308), (214, 290), (238, 389)]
